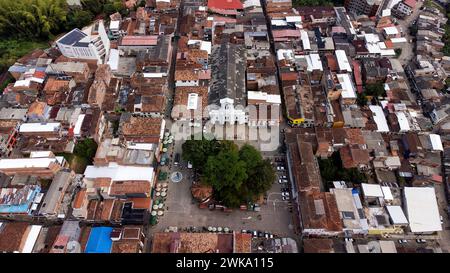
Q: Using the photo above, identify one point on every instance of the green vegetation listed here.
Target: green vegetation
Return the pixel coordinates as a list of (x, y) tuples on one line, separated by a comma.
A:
[(37, 19), (29, 24), (398, 52), (76, 163), (82, 155), (86, 149), (302, 3), (375, 89), (361, 99), (432, 4), (11, 50), (331, 169), (237, 175), (446, 37)]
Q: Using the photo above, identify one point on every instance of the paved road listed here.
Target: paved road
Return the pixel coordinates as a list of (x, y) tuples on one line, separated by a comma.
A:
[(408, 48)]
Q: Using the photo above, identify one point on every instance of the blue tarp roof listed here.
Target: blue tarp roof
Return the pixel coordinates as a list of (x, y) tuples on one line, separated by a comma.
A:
[(99, 240)]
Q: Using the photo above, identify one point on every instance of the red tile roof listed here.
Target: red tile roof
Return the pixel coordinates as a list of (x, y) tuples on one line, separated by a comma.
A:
[(225, 4), (410, 3), (286, 33), (130, 40)]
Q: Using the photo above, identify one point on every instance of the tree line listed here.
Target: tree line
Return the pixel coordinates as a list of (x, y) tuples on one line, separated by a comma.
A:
[(42, 19)]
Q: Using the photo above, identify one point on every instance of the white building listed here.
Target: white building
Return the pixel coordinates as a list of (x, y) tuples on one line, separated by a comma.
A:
[(227, 113), (91, 43), (422, 210)]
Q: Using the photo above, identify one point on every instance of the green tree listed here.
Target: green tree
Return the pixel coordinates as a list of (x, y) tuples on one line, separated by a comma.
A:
[(198, 151), (375, 89), (261, 180), (331, 169), (86, 149), (32, 18), (236, 175), (251, 157), (225, 171), (361, 99), (79, 18)]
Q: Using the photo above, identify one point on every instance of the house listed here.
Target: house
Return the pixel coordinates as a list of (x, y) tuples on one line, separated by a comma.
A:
[(68, 238), (353, 156), (181, 242), (19, 200), (57, 198), (422, 210), (141, 129), (45, 167), (405, 8), (18, 237), (193, 99), (79, 71), (349, 207), (319, 214), (99, 240), (51, 130), (230, 7), (38, 112), (90, 43), (134, 44), (366, 7)]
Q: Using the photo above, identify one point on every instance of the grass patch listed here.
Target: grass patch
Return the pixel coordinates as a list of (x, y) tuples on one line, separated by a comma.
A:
[(13, 49), (76, 163)]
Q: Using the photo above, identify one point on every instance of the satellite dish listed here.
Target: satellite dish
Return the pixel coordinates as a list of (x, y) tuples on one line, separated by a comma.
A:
[(73, 247)]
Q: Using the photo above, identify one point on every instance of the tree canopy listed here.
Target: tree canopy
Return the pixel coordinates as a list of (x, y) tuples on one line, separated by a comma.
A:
[(32, 18), (236, 175), (375, 89), (332, 169), (86, 149)]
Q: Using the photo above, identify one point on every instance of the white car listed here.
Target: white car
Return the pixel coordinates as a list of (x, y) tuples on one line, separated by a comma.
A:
[(281, 181), (280, 168), (286, 194), (189, 165)]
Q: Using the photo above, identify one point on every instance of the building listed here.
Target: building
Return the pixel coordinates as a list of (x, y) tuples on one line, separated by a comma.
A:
[(227, 90), (178, 242), (90, 43), (367, 7), (422, 210), (18, 237), (67, 240), (45, 167), (58, 196), (319, 214)]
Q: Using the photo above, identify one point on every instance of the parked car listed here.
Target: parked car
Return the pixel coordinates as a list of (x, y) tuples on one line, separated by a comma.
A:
[(255, 234), (177, 160), (244, 231), (284, 189), (281, 181), (442, 220), (189, 165), (283, 176), (280, 168), (421, 241), (285, 194), (284, 198), (402, 241)]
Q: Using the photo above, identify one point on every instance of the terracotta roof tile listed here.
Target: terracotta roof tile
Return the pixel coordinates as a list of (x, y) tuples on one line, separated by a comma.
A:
[(130, 187)]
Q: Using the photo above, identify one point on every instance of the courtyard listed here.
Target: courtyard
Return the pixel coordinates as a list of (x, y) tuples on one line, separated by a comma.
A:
[(182, 211)]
